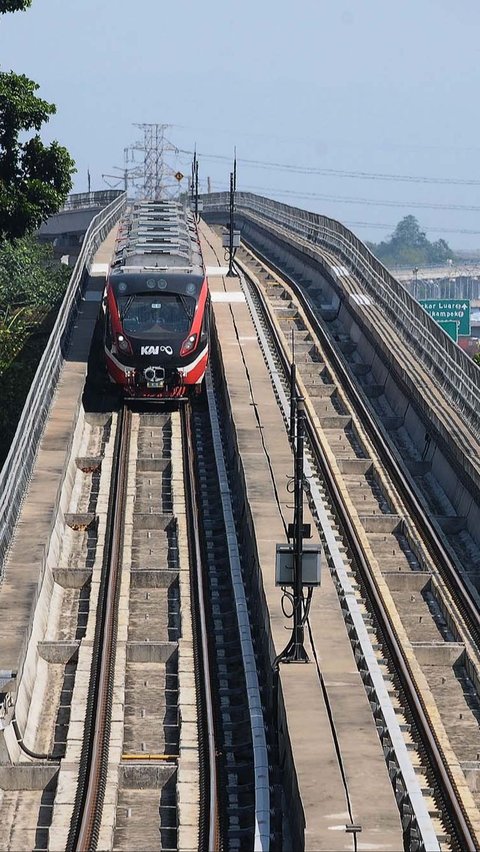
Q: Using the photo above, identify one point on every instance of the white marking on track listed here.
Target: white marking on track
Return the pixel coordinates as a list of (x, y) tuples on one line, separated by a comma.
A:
[(216, 271), (98, 269), (235, 296), (360, 298)]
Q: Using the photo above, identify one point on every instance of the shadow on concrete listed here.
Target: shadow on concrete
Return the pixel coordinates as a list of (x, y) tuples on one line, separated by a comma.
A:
[(99, 394)]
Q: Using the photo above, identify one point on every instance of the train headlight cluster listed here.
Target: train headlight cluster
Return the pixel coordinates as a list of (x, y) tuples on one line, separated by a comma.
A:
[(123, 344), (188, 344)]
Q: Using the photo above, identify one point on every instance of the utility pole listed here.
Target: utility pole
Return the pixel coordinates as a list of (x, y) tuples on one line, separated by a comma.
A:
[(299, 654), (129, 174), (230, 272), (196, 189), (195, 202), (231, 240), (293, 391), (194, 171), (297, 565)]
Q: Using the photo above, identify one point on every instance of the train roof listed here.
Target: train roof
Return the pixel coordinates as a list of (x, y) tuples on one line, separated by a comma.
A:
[(158, 235)]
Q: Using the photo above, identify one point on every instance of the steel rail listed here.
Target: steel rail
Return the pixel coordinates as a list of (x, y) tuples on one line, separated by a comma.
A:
[(255, 710), (209, 839), (457, 814), (85, 825)]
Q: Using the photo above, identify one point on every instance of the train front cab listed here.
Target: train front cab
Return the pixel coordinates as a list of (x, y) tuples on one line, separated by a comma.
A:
[(156, 338)]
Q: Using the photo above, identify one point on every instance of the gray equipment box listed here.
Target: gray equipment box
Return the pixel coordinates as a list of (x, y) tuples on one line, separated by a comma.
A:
[(311, 565), (226, 240)]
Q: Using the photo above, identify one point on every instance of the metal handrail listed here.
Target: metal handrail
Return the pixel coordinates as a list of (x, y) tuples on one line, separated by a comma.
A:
[(83, 200), (16, 471), (449, 366)]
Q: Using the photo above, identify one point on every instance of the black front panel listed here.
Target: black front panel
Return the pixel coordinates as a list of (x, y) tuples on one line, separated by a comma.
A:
[(147, 281)]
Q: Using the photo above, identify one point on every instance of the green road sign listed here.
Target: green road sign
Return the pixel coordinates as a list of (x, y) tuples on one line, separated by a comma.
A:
[(450, 310), (451, 328)]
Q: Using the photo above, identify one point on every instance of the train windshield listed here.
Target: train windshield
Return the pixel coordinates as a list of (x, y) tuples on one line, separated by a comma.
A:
[(145, 313)]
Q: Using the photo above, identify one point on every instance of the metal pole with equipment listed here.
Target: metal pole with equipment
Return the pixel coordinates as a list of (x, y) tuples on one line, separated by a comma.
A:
[(231, 225), (231, 240), (297, 565), (196, 188), (299, 653), (293, 391), (192, 186)]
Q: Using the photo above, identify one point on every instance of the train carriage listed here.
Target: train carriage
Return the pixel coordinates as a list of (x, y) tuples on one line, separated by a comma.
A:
[(157, 305)]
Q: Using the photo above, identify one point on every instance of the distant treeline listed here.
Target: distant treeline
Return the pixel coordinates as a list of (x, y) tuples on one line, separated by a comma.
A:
[(408, 246)]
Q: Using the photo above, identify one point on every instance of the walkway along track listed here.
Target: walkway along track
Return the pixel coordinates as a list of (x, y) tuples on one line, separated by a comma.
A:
[(373, 502), (234, 765), (87, 812)]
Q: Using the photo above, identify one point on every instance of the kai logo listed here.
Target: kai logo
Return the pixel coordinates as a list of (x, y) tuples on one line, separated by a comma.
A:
[(154, 350)]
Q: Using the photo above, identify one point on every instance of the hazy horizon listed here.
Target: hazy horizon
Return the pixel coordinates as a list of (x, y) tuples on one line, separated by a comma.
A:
[(365, 114)]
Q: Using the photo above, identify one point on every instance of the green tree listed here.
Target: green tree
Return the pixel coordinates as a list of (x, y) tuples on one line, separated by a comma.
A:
[(440, 251), (14, 5), (35, 179), (30, 276), (476, 358), (409, 245), (408, 233)]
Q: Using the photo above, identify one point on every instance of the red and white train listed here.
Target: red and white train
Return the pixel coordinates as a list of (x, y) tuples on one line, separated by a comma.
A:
[(157, 305)]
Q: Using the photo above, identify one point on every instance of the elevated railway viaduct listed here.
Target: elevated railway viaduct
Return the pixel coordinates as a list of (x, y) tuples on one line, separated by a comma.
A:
[(372, 744)]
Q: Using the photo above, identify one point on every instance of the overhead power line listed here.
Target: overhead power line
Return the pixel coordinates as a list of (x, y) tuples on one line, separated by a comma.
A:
[(430, 228), (343, 173), (368, 201)]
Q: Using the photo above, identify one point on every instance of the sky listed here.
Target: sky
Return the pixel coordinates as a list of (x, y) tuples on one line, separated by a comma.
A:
[(364, 111)]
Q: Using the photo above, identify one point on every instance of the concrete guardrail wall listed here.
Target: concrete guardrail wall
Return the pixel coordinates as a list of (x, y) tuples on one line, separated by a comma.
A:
[(16, 472)]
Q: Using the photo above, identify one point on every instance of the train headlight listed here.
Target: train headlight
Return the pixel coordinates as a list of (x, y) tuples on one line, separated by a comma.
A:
[(188, 344), (123, 344)]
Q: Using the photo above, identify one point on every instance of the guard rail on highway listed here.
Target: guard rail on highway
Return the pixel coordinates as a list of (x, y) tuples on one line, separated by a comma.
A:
[(16, 472), (450, 367)]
